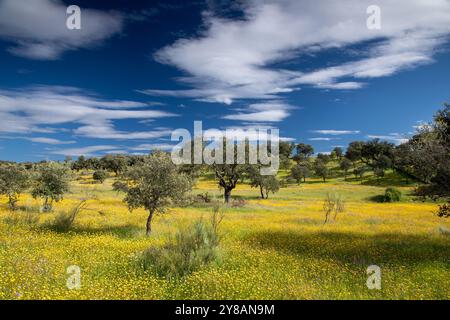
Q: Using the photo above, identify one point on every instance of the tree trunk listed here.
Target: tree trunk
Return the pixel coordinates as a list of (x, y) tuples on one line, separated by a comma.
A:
[(227, 195), (262, 193), (149, 223)]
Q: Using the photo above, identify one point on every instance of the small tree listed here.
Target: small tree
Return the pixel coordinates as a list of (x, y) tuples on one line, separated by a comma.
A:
[(51, 183), (338, 153), (325, 158), (13, 181), (300, 171), (265, 183), (80, 164), (285, 153), (345, 165), (304, 151), (153, 185), (100, 175), (114, 163), (228, 176), (321, 169)]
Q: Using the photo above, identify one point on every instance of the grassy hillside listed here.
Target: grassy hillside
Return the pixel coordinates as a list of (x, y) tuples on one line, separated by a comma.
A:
[(272, 249)]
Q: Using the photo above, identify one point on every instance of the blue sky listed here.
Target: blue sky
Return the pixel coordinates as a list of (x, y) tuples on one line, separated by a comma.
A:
[(136, 71)]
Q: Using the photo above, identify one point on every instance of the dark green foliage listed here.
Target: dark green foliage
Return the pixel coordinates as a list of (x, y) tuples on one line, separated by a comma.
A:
[(114, 163), (153, 185), (325, 158), (304, 151), (80, 164), (300, 171), (379, 172), (359, 172), (286, 149), (354, 149), (285, 152), (50, 184), (100, 175), (265, 183), (13, 180), (337, 153), (392, 195), (345, 165), (426, 157), (321, 169)]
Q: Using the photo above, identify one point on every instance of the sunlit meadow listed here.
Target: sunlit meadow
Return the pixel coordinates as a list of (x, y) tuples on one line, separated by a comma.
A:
[(277, 248)]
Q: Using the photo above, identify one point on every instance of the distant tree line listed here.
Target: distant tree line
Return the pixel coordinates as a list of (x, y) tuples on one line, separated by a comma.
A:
[(154, 182)]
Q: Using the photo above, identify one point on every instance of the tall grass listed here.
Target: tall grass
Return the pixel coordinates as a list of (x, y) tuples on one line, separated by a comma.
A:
[(65, 219)]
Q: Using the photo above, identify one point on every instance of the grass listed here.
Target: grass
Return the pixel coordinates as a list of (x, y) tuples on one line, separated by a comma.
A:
[(271, 249)]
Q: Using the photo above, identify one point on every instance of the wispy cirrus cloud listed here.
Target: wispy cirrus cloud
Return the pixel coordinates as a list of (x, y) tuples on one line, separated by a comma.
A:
[(336, 132), (322, 139), (45, 140), (271, 111), (44, 108), (37, 29), (85, 151), (147, 147), (235, 58)]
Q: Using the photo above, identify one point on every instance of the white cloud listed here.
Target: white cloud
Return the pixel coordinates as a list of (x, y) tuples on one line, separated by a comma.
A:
[(148, 147), (271, 111), (322, 139), (85, 151), (252, 132), (50, 141), (39, 109), (37, 28), (336, 132), (234, 59)]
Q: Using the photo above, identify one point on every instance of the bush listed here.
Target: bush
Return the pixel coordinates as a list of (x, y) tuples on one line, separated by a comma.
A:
[(100, 175), (65, 219), (392, 195), (192, 248)]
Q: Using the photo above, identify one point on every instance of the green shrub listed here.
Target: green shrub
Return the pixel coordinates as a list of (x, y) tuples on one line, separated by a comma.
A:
[(192, 248), (392, 195), (100, 175)]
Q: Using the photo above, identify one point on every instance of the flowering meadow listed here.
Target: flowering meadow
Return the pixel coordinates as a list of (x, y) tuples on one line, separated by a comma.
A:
[(276, 248)]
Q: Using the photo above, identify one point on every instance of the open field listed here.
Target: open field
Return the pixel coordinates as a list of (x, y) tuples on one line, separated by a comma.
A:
[(272, 249)]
